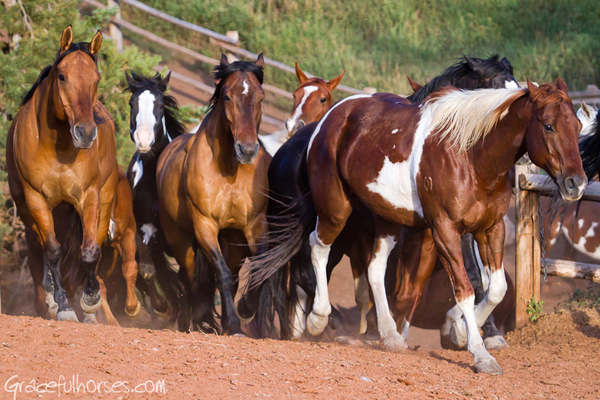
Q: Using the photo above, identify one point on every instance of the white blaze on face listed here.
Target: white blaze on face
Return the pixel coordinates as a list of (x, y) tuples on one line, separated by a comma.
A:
[(397, 182), (293, 120), (246, 88), (511, 84), (318, 128), (145, 121)]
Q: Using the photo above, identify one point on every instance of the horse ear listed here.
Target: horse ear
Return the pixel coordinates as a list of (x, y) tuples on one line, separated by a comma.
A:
[(66, 38), (586, 110), (94, 46), (472, 62), (414, 85), (224, 60), (299, 74), (562, 85), (333, 83), (164, 82), (532, 88), (130, 80), (506, 62), (260, 60)]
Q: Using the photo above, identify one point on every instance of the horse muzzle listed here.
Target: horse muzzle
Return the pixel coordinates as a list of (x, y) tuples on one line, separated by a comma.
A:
[(293, 125), (143, 139), (84, 135), (246, 152), (572, 187)]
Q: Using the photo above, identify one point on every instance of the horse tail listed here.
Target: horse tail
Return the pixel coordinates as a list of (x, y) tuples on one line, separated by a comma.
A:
[(288, 232), (589, 149), (273, 299), (71, 270)]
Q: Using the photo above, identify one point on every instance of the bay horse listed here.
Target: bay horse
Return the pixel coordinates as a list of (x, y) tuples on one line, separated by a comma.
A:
[(288, 180), (441, 164), (154, 123), (61, 149), (212, 188), (312, 99)]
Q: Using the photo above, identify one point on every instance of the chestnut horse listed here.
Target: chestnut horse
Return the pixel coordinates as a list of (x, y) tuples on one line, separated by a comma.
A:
[(153, 125), (288, 180), (61, 149), (212, 185), (441, 164)]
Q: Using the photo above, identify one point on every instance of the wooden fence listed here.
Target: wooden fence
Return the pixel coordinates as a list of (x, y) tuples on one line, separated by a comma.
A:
[(529, 186)]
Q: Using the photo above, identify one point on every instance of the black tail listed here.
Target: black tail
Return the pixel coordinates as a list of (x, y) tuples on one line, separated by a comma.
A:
[(70, 235), (273, 301), (589, 148), (289, 231)]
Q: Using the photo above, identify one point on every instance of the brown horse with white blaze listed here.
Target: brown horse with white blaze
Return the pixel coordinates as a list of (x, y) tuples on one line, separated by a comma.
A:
[(61, 149), (441, 165), (213, 184)]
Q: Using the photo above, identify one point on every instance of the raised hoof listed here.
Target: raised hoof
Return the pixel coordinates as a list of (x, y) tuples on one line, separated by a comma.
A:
[(489, 367), (90, 319), (67, 315), (395, 343), (458, 339), (495, 343), (315, 324), (90, 303), (135, 313)]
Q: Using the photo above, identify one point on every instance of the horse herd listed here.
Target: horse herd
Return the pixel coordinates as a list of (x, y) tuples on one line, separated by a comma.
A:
[(407, 188)]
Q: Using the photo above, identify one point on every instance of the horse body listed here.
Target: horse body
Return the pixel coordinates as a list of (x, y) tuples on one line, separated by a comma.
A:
[(216, 181), (58, 153)]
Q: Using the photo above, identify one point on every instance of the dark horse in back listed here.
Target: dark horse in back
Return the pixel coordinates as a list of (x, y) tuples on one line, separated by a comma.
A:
[(288, 181), (153, 124)]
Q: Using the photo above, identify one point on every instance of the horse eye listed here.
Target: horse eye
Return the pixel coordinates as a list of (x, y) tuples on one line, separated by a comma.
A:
[(62, 78), (548, 128), (227, 98), (323, 99)]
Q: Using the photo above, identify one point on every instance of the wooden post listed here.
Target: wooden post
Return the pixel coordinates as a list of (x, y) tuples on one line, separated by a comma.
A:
[(528, 252), (114, 30), (235, 36)]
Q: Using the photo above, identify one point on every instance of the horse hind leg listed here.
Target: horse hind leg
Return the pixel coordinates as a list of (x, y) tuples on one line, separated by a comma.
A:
[(129, 268), (45, 305)]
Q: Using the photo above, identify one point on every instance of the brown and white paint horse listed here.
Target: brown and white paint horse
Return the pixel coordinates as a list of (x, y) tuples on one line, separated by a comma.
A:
[(440, 164), (61, 150), (214, 183)]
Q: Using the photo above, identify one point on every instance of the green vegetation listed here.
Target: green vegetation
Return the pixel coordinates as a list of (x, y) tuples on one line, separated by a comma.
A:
[(535, 309), (588, 298), (379, 42)]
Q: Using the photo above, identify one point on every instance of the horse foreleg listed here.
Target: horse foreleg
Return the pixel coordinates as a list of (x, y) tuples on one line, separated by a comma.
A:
[(127, 248), (90, 250), (110, 318), (448, 244)]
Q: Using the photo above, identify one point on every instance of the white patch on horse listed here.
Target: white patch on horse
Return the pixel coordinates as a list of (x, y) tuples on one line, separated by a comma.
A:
[(394, 131), (111, 229), (145, 121), (511, 84), (580, 223), (271, 143), (148, 230), (165, 130), (397, 182), (318, 128), (591, 232), (138, 170), (246, 88), (293, 120)]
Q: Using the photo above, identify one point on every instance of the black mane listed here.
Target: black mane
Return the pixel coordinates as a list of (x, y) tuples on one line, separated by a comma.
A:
[(451, 76), (589, 148), (221, 72), (83, 46), (171, 107)]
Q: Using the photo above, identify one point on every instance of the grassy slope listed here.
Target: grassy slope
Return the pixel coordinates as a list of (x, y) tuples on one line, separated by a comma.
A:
[(379, 42)]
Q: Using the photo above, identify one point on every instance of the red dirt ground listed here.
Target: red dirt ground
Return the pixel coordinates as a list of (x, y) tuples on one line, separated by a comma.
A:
[(557, 358)]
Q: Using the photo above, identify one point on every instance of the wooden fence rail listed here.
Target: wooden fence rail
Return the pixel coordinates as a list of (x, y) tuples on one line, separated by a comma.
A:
[(528, 188)]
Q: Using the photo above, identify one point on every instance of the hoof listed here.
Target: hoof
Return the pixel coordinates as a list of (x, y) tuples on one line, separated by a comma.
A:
[(315, 324), (160, 314), (489, 367), (457, 337), (90, 303), (67, 315), (90, 319), (135, 313), (495, 343), (51, 305), (244, 315), (240, 335), (395, 343)]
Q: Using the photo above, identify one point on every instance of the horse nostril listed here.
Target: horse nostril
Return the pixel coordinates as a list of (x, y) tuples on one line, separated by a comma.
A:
[(570, 183)]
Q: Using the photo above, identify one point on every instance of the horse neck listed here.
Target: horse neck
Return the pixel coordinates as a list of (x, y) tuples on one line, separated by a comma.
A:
[(51, 129), (220, 139), (505, 144)]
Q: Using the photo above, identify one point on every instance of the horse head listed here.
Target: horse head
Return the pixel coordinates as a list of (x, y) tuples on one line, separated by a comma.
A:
[(552, 138), (74, 79), (312, 99)]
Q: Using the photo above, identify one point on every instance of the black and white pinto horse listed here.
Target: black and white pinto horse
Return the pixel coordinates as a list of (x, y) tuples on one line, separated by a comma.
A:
[(153, 124), (289, 166)]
